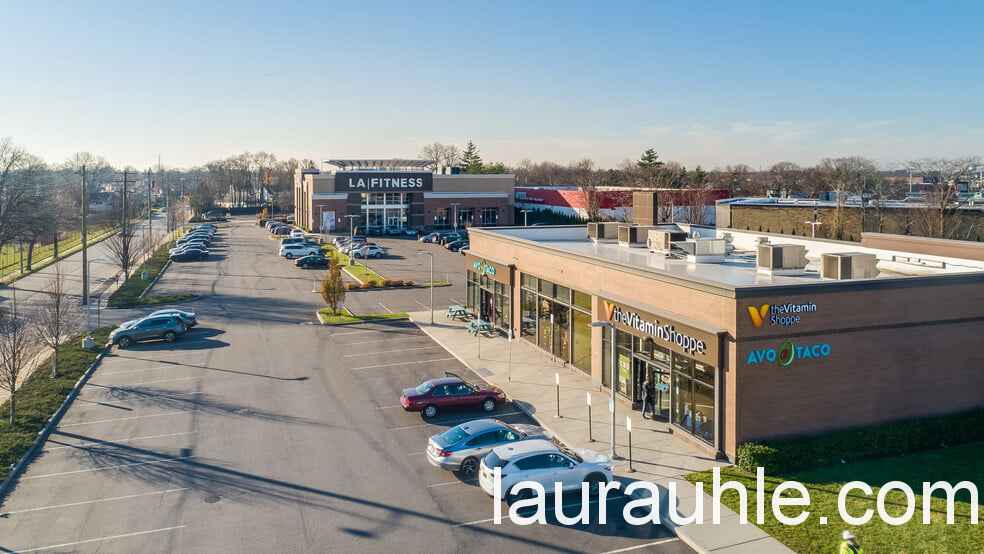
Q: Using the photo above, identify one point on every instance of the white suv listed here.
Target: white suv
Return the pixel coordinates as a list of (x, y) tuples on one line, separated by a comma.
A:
[(546, 463), (298, 250)]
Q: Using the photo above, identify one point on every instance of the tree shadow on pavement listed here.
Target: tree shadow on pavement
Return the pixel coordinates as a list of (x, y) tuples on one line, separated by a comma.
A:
[(211, 481)]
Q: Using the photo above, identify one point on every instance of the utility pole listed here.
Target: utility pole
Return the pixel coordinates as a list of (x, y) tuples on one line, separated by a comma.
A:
[(150, 207), (85, 231)]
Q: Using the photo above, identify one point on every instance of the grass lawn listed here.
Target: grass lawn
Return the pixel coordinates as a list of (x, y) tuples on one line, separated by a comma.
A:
[(326, 317), (954, 464), (127, 294), (359, 272), (10, 255), (40, 396)]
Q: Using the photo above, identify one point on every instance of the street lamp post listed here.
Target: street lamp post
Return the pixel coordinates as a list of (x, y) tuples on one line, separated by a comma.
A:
[(431, 256), (611, 402), (454, 222), (525, 221)]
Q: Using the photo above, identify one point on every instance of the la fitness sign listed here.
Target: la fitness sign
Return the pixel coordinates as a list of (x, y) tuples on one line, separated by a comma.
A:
[(382, 181)]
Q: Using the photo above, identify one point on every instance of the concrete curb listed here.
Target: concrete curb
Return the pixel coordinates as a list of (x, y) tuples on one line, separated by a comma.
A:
[(153, 282), (53, 421)]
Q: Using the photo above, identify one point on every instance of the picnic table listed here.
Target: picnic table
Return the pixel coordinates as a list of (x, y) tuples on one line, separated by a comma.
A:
[(479, 326), (457, 311)]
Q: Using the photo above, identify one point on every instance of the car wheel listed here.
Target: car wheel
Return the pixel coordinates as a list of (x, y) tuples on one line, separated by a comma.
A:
[(289, 256), (430, 411), (170, 336), (469, 467), (125, 342), (594, 481), (488, 405)]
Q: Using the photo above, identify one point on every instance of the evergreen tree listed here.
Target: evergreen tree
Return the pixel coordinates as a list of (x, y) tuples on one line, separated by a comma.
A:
[(471, 161), (698, 176), (649, 160)]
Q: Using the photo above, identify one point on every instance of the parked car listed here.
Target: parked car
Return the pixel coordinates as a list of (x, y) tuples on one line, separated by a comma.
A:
[(167, 327), (200, 243), (291, 251), (429, 237), (449, 392), (451, 237), (190, 319), (204, 237), (461, 448), (297, 234), (188, 255), (313, 261), (281, 230), (457, 245), (368, 251), (290, 240), (355, 245), (546, 463)]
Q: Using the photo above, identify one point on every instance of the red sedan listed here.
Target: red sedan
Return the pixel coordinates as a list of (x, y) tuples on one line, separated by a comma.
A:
[(430, 397)]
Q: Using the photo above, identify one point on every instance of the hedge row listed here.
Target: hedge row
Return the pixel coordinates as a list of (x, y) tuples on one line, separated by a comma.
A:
[(876, 441)]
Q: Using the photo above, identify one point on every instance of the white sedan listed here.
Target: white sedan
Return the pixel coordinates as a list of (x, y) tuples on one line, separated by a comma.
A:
[(297, 234), (543, 462)]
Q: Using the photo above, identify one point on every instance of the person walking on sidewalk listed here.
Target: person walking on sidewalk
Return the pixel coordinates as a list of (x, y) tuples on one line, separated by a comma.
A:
[(648, 398), (849, 544)]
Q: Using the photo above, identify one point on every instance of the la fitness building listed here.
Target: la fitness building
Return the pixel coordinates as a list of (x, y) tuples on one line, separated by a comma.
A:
[(378, 196), (747, 335)]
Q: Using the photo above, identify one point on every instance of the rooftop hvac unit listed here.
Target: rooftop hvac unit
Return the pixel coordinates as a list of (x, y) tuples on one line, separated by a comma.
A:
[(603, 231), (634, 236), (660, 240), (848, 265), (781, 259), (703, 250)]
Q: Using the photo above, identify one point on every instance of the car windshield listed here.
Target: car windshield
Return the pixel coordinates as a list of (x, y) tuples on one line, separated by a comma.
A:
[(424, 388), (570, 454), (493, 461), (455, 435)]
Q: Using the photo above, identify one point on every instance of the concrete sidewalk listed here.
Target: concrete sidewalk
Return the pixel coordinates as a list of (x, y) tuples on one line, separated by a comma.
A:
[(528, 376)]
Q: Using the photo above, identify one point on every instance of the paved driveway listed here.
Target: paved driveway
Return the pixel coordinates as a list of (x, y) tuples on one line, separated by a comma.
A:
[(259, 432)]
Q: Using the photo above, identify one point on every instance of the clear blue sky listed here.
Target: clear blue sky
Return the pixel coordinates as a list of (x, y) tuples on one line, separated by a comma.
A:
[(722, 83)]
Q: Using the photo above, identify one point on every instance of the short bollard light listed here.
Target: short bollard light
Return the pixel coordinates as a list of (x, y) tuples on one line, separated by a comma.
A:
[(628, 427), (557, 383), (588, 399)]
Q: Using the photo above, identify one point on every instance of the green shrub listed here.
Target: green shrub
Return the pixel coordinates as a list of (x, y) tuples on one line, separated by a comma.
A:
[(876, 441)]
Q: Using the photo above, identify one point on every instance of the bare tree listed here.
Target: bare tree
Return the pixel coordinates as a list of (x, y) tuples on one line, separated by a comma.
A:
[(587, 178), (57, 317), (446, 155), (124, 250), (940, 216), (845, 175), (15, 344)]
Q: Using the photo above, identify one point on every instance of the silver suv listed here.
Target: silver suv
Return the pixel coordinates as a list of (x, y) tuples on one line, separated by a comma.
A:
[(461, 448), (168, 328)]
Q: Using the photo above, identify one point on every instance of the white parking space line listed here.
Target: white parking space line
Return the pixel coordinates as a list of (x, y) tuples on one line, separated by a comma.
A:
[(445, 423), (112, 499), (151, 382), (104, 373), (449, 483), (87, 444), (100, 539), (641, 546), (421, 304), (92, 469), (389, 407), (384, 307), (393, 351), (347, 333), (490, 519), (122, 419), (389, 341), (403, 363)]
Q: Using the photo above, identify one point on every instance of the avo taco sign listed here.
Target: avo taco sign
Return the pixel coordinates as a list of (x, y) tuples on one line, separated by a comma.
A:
[(788, 353)]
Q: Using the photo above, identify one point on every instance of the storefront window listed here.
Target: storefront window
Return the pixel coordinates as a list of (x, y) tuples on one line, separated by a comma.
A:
[(442, 217), (703, 408), (529, 281), (562, 294), (562, 331), (490, 216), (623, 358), (693, 397), (527, 328), (582, 300), (683, 406), (547, 288), (545, 329), (582, 341)]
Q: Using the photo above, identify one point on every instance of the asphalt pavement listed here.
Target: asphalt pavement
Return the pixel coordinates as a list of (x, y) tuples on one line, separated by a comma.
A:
[(260, 431)]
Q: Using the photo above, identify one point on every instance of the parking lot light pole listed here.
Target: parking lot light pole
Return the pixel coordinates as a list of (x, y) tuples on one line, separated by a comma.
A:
[(454, 222), (431, 256), (525, 221), (588, 398), (611, 402)]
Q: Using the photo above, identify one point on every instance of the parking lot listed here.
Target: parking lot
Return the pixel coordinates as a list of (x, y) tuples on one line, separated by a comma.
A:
[(260, 432)]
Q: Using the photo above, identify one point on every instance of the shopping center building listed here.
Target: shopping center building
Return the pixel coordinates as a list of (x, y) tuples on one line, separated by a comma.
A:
[(395, 194), (748, 335)]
